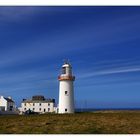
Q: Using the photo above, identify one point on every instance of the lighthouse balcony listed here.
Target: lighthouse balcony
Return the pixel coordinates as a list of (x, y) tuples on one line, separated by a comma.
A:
[(61, 78)]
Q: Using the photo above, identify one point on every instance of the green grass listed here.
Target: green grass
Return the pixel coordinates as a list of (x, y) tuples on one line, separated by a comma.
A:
[(101, 122)]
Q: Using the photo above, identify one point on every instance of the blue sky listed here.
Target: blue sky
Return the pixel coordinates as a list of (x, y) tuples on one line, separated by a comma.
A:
[(102, 44)]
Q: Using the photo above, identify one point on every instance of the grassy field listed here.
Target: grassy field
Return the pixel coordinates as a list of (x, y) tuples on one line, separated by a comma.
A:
[(100, 122)]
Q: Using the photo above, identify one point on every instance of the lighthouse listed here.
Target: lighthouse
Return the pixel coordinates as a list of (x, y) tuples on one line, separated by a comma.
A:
[(66, 89)]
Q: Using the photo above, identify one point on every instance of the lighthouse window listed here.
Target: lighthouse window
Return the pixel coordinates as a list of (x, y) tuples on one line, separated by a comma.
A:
[(66, 92), (63, 70), (66, 110)]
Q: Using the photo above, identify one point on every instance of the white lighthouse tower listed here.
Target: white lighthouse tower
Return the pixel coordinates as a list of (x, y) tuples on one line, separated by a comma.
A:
[(66, 90)]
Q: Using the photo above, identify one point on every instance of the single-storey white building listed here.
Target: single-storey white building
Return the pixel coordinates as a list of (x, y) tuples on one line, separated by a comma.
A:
[(7, 104), (37, 104)]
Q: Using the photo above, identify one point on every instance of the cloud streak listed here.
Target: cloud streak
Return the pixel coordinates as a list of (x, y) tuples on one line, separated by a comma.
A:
[(110, 72)]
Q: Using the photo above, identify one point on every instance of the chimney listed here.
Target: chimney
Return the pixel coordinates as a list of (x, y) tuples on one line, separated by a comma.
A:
[(1, 97), (9, 97)]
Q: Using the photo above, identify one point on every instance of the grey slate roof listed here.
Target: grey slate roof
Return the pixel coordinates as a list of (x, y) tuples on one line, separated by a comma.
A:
[(8, 100), (39, 101)]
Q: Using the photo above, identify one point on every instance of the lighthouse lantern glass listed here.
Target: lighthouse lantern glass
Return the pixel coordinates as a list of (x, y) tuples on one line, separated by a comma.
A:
[(63, 70)]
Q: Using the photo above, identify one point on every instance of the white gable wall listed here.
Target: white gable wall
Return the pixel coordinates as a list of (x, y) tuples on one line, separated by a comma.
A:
[(3, 102)]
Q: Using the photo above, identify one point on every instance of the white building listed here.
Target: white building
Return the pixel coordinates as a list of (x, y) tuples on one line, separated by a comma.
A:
[(66, 89), (7, 104), (37, 104)]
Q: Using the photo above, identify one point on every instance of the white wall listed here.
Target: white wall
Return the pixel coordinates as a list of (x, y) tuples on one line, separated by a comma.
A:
[(3, 102), (37, 107), (66, 101)]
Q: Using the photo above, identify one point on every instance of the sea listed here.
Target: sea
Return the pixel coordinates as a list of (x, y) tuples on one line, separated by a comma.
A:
[(103, 109)]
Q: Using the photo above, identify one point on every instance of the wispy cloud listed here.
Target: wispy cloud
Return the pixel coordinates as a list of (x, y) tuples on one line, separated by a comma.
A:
[(17, 14), (120, 71), (110, 71)]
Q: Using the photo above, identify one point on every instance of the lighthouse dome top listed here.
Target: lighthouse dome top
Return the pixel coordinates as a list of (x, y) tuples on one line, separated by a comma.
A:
[(66, 64)]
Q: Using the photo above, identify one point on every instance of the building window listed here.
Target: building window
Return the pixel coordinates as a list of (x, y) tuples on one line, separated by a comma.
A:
[(66, 92), (44, 110), (40, 109), (24, 108), (66, 110), (33, 108), (33, 104), (40, 104), (48, 109), (25, 104), (11, 108), (48, 104)]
